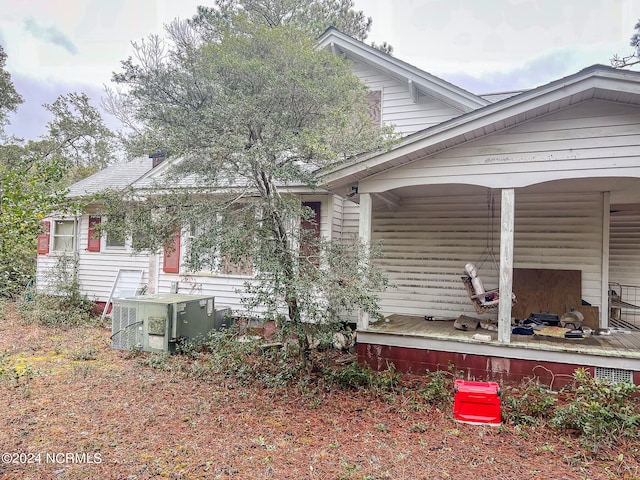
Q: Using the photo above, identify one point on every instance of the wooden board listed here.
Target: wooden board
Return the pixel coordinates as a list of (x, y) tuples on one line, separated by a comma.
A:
[(545, 290), (591, 316)]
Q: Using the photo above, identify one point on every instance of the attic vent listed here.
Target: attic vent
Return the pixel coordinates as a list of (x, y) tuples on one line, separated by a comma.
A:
[(613, 375)]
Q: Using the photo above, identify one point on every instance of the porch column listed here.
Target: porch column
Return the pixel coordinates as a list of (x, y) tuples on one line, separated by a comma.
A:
[(506, 264), (603, 321), (364, 232)]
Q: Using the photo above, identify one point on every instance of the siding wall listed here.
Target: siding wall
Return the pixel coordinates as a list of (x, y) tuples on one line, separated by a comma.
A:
[(593, 138), (624, 249), (398, 108), (228, 289), (427, 243), (96, 270)]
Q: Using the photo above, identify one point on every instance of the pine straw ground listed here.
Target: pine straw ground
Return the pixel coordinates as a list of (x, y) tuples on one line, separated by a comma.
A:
[(92, 412)]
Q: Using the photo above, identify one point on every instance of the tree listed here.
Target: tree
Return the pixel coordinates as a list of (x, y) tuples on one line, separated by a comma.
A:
[(9, 98), (34, 174), (26, 197), (313, 16), (251, 116), (633, 58)]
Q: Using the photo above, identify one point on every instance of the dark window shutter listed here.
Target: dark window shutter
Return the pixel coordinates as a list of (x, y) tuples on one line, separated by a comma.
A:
[(43, 238), (93, 244), (171, 262)]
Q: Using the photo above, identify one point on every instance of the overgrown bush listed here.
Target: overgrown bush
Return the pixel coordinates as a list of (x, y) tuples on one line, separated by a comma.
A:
[(439, 390), (357, 376), (527, 405), (601, 412), (62, 304)]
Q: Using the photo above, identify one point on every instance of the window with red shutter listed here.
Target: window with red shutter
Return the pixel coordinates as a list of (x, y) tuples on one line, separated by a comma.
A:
[(93, 243), (43, 238), (171, 262)]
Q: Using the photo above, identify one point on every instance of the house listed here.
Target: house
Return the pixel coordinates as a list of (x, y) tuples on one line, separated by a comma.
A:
[(542, 182)]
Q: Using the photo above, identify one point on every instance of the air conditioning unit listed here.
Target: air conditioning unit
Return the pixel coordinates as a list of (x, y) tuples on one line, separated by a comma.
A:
[(158, 322)]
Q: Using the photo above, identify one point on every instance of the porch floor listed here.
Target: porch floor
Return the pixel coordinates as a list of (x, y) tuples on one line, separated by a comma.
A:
[(618, 345)]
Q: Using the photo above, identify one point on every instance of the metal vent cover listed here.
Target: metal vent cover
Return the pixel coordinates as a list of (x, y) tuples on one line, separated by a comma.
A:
[(613, 375), (124, 327)]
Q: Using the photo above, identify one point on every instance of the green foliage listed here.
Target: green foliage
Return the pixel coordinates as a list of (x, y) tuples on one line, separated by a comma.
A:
[(9, 98), (33, 175), (313, 16), (26, 196), (65, 305), (527, 406), (15, 373), (439, 390), (602, 413), (79, 135), (357, 376)]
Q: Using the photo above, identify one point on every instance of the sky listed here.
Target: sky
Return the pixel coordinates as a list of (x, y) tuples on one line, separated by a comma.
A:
[(55, 47)]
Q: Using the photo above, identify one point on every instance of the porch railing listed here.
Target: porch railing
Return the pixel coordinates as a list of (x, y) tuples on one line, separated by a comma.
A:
[(624, 306)]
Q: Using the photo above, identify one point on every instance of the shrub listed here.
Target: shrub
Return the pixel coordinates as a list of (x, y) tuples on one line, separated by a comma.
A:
[(357, 376), (527, 406), (439, 390), (68, 307), (601, 412)]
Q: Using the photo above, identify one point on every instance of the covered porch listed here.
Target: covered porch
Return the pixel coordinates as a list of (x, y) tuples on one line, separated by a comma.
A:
[(545, 180)]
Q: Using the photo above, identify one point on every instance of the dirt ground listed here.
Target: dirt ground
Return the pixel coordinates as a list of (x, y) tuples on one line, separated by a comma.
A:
[(81, 410)]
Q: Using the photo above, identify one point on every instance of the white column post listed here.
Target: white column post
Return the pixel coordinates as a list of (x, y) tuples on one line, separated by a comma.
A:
[(606, 229), (506, 264), (364, 231)]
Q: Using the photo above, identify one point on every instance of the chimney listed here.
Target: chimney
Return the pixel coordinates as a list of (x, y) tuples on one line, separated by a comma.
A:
[(158, 157)]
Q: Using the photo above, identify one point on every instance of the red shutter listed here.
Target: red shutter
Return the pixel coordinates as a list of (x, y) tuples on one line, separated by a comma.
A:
[(171, 262), (93, 244), (43, 238)]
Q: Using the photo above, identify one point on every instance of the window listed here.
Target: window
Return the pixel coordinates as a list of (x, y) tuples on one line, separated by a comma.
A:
[(310, 226), (64, 235), (202, 252), (205, 251), (115, 239), (374, 101)]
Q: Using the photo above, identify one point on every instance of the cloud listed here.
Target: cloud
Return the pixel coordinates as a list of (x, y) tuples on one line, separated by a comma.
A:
[(30, 121), (50, 34), (530, 74)]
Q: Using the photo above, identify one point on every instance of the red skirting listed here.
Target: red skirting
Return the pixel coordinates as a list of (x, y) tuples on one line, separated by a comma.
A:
[(477, 367)]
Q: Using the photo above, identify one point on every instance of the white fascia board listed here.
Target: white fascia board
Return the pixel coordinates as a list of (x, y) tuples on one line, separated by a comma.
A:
[(444, 91)]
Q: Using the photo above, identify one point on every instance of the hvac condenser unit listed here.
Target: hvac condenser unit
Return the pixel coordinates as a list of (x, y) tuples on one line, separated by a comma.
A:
[(156, 323)]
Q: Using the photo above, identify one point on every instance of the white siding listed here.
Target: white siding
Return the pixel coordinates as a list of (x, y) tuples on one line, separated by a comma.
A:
[(398, 108), (96, 270), (592, 139), (228, 290), (624, 249), (427, 243), (350, 218), (336, 217)]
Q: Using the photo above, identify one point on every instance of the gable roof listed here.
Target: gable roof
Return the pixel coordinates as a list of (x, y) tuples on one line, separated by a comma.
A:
[(416, 79), (115, 177), (595, 82)]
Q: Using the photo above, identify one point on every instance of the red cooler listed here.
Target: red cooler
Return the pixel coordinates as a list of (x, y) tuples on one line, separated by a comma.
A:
[(477, 403)]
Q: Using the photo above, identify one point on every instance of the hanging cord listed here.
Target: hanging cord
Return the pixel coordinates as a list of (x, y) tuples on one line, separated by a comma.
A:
[(488, 250)]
